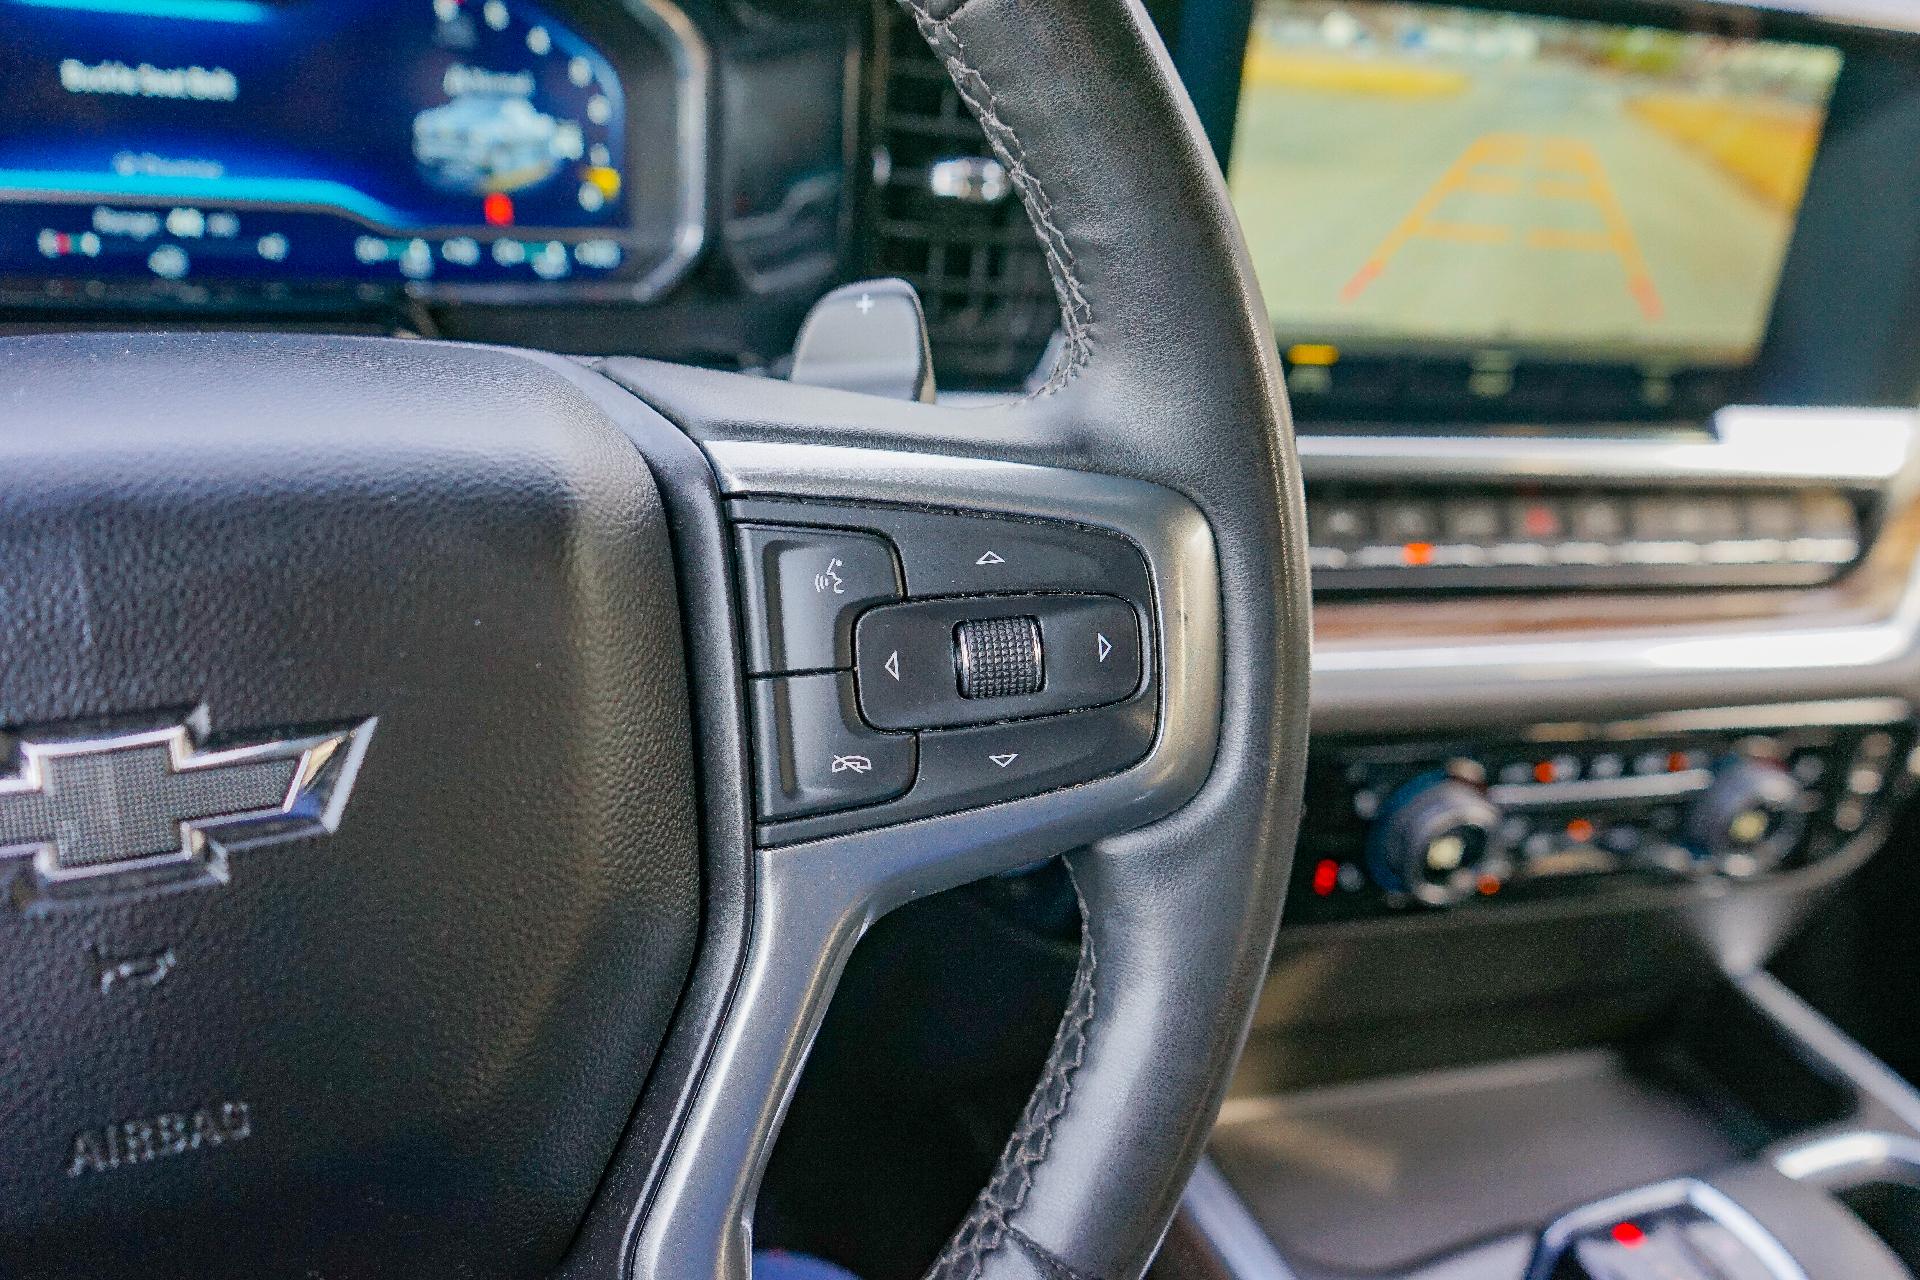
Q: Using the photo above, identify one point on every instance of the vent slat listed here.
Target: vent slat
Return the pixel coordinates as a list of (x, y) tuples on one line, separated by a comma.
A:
[(1018, 237), (980, 271)]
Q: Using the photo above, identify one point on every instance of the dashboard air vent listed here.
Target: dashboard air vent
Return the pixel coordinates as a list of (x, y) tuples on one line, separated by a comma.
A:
[(943, 215)]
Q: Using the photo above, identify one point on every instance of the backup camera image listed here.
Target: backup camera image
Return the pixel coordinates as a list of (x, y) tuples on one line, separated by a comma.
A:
[(1424, 175)]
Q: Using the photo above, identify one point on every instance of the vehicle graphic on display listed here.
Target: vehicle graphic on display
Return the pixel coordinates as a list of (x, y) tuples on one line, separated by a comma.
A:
[(491, 142)]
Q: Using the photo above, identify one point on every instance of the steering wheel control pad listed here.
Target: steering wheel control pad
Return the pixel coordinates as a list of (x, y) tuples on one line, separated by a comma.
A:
[(1016, 664)]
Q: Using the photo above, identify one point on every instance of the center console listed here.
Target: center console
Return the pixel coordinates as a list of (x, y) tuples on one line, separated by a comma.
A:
[(1737, 1137)]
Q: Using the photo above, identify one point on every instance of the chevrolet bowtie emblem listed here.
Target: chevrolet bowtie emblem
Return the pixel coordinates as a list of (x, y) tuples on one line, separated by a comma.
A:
[(131, 809)]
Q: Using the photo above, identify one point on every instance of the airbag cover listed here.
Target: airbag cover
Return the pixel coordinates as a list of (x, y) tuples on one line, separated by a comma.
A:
[(407, 1046)]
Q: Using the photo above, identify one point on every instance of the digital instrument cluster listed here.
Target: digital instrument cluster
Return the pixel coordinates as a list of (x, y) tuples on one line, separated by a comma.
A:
[(175, 146)]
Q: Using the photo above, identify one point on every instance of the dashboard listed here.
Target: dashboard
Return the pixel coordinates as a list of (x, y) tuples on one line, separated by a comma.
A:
[(1596, 318), (1571, 215)]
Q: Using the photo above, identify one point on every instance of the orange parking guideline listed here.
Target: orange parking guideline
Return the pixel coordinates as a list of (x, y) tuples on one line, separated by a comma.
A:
[(1558, 156), (1639, 275), (1494, 148)]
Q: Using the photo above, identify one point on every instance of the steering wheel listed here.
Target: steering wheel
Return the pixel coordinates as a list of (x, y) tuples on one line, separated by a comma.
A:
[(384, 720)]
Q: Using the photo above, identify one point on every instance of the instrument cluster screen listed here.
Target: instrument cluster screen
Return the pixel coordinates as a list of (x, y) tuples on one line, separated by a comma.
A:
[(426, 142)]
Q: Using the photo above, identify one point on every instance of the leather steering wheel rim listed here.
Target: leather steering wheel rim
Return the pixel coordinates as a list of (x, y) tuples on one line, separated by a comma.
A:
[(1178, 919), (1168, 374)]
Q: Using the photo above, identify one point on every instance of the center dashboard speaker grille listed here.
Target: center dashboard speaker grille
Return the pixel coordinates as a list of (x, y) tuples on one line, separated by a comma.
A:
[(943, 216)]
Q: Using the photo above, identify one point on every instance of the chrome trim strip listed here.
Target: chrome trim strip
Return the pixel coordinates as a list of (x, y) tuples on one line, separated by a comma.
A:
[(1765, 715), (1524, 796), (1416, 685), (1849, 1157), (1223, 1220), (1851, 448), (1879, 15), (1865, 1073)]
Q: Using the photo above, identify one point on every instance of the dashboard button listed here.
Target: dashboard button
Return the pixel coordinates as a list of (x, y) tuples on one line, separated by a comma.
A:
[(1536, 520), (1655, 518), (803, 590), (1337, 522), (1772, 515), (1472, 520), (1404, 520), (1706, 518), (1597, 519), (1827, 515), (811, 753)]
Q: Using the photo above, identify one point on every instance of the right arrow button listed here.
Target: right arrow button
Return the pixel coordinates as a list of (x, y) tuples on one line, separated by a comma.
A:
[(1092, 646)]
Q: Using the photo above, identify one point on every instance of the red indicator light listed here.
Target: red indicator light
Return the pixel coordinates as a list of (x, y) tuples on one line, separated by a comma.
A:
[(1487, 885), (1418, 553), (1326, 877), (1677, 762), (498, 208), (1540, 522), (1579, 831), (1543, 772), (1628, 1236)]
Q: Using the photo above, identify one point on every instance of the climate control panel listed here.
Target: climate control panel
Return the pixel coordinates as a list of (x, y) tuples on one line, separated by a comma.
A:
[(1397, 825)]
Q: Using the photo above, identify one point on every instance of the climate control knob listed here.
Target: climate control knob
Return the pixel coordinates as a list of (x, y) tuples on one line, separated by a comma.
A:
[(1748, 820), (1437, 839)]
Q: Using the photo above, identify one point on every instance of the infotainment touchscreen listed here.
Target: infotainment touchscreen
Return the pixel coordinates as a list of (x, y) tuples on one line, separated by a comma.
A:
[(1434, 178)]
